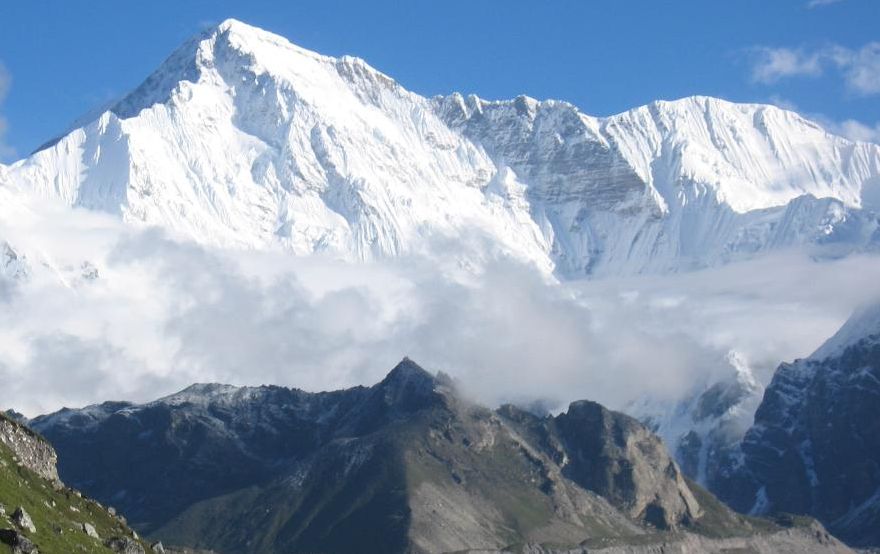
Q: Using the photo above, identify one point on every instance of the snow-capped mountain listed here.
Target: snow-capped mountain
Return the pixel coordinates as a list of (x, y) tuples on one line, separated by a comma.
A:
[(242, 139), (815, 444)]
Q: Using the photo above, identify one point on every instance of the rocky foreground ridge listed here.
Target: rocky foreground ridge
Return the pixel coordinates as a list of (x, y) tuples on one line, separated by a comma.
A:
[(38, 513), (407, 465)]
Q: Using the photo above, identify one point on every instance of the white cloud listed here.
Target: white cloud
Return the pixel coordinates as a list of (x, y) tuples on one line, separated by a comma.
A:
[(772, 64), (859, 68), (164, 314), (856, 130), (819, 3)]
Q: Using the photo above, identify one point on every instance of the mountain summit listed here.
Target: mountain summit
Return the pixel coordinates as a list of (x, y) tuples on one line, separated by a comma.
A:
[(243, 139)]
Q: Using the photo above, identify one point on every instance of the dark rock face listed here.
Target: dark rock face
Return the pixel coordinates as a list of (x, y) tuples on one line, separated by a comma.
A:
[(815, 445), (616, 457), (155, 461), (205, 441), (718, 399), (407, 465), (18, 542), (705, 429)]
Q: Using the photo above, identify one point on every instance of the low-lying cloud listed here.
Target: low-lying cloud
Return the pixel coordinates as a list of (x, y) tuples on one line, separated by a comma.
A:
[(162, 314)]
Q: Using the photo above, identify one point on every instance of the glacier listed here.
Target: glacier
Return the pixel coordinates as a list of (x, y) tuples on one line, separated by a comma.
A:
[(243, 140)]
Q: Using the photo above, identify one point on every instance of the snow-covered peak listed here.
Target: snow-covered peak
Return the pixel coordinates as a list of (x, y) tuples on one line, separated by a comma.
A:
[(203, 394), (241, 139), (233, 54), (749, 156)]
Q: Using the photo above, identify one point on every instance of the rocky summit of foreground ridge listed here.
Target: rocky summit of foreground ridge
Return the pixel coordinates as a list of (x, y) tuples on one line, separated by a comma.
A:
[(326, 154), (407, 465)]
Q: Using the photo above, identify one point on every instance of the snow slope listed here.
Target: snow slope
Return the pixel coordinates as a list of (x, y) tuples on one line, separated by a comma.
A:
[(241, 139), (862, 328)]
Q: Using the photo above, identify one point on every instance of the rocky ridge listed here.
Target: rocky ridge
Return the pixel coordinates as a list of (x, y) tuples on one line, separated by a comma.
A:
[(38, 513), (29, 449), (814, 446), (407, 465)]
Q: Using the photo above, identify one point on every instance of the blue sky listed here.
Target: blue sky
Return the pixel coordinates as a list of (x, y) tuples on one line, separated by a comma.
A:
[(822, 57)]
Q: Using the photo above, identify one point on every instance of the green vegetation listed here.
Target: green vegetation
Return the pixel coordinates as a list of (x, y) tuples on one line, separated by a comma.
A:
[(58, 515)]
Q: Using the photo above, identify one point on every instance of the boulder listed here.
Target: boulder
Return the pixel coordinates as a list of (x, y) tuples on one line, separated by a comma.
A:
[(89, 530), (124, 545), (18, 542), (21, 518)]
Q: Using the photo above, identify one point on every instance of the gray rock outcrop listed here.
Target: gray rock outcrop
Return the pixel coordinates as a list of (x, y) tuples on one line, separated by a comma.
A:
[(23, 520), (17, 542), (89, 530), (31, 450), (619, 459), (124, 545)]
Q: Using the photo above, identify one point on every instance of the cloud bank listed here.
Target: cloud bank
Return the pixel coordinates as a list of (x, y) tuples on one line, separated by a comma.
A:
[(112, 312)]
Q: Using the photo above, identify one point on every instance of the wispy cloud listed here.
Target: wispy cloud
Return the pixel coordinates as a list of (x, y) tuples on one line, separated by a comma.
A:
[(856, 130), (772, 64), (848, 128), (6, 151), (819, 3), (859, 68)]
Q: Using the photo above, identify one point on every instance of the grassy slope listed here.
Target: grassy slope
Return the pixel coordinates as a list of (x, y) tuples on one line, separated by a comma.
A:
[(52, 510)]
